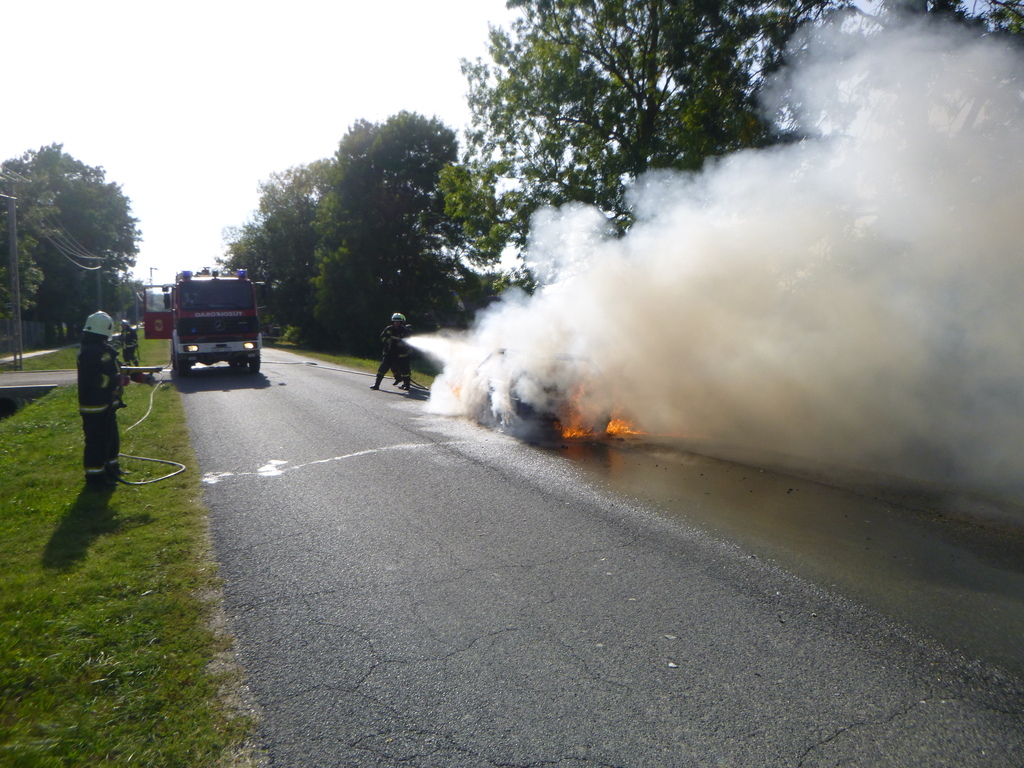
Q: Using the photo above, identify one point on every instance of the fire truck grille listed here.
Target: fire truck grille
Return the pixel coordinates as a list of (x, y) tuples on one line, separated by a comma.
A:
[(217, 326)]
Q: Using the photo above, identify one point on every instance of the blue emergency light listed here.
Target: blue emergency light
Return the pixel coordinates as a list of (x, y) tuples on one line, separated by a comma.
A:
[(242, 273)]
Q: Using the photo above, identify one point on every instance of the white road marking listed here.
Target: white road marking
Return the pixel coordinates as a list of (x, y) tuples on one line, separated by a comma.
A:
[(276, 467)]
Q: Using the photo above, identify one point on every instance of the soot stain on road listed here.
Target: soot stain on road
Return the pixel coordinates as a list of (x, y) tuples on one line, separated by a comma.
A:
[(913, 558)]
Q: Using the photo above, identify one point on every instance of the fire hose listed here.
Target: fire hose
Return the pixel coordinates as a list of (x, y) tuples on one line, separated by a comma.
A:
[(146, 374), (413, 384)]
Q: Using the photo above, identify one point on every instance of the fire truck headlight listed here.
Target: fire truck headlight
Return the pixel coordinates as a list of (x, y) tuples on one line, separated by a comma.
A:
[(192, 348), (249, 345)]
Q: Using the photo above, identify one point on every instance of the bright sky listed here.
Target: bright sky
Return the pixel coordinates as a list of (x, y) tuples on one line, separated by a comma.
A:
[(189, 105)]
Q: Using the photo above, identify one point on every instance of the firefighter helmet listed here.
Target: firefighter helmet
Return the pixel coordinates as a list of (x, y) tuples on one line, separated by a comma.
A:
[(99, 322), (398, 316)]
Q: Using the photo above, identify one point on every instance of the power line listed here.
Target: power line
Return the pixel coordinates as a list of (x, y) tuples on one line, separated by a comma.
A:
[(68, 255), (58, 234), (69, 248), (69, 242), (9, 175), (65, 243)]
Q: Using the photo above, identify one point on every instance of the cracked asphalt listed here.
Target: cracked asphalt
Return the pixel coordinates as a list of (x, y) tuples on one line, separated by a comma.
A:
[(407, 590)]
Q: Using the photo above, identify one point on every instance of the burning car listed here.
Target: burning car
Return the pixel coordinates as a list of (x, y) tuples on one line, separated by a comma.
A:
[(532, 395), (542, 398)]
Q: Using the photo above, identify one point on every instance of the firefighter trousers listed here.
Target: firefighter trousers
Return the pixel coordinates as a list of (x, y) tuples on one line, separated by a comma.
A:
[(396, 362), (102, 444)]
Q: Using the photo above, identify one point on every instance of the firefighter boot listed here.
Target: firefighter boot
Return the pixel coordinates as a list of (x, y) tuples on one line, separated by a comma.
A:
[(100, 481), (376, 384)]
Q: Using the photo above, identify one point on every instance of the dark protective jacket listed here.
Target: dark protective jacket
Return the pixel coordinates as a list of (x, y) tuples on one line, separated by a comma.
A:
[(129, 337), (99, 374), (394, 339)]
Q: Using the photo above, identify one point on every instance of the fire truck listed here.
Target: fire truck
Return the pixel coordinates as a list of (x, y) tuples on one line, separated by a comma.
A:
[(209, 317)]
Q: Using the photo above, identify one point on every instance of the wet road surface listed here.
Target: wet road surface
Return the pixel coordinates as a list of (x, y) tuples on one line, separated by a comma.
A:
[(411, 590), (950, 569)]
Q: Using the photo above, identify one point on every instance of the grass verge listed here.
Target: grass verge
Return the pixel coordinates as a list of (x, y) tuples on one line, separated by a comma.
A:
[(107, 646), (151, 352), (62, 359)]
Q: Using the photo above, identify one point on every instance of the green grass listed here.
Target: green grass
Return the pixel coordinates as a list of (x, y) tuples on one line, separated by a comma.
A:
[(109, 655), (62, 359), (107, 644), (153, 352)]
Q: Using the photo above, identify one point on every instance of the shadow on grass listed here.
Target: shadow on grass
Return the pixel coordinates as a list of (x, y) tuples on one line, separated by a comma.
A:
[(88, 518)]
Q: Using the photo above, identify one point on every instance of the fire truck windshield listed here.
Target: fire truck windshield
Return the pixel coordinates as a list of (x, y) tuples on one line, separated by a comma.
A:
[(216, 294)]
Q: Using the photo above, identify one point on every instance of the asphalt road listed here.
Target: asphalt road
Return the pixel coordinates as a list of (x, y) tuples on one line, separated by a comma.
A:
[(408, 590), (20, 387)]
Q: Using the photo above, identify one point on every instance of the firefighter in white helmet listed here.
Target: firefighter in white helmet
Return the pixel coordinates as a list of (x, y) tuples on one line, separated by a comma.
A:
[(100, 386), (396, 352), (129, 343)]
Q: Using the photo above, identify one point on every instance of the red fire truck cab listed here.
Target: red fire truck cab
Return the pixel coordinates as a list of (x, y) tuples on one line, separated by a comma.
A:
[(209, 318)]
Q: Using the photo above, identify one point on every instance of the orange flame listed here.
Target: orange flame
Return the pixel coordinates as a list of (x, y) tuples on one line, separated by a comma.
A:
[(620, 427), (573, 430), (574, 426)]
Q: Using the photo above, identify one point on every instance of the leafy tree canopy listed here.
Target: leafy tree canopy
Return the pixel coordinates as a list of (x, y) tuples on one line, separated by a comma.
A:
[(1007, 16), (583, 96), (387, 243), (1004, 17), (70, 221), (279, 243)]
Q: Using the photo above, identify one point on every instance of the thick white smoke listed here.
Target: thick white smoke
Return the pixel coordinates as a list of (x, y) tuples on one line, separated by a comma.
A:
[(855, 299)]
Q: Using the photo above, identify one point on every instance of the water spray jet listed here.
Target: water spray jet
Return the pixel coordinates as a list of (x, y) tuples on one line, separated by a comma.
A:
[(848, 301)]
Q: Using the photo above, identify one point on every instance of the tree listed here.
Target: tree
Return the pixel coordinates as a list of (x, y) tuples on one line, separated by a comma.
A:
[(584, 96), (76, 239), (1002, 17), (1007, 16), (278, 246), (388, 244)]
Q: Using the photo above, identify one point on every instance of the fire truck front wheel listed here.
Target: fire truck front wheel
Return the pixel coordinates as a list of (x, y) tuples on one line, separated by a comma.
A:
[(254, 365), (183, 367)]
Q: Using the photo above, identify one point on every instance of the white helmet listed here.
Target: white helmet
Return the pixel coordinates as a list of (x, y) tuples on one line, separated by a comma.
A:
[(398, 316), (99, 322)]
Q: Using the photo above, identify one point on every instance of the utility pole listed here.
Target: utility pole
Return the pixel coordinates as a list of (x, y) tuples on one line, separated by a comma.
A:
[(12, 249)]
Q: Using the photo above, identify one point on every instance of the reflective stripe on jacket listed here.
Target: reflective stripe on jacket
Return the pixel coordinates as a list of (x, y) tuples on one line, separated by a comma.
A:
[(99, 375), (394, 339)]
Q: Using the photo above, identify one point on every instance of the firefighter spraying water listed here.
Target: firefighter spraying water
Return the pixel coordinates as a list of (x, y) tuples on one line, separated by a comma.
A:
[(849, 301), (396, 353)]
